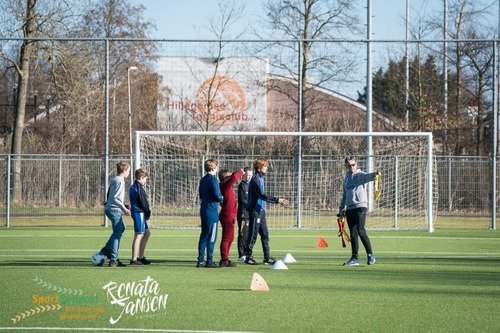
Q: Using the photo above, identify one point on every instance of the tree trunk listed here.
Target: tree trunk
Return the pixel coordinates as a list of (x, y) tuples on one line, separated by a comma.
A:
[(24, 72)]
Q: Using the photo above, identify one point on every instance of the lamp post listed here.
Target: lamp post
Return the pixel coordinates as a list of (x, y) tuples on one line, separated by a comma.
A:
[(48, 98), (132, 68), (35, 96)]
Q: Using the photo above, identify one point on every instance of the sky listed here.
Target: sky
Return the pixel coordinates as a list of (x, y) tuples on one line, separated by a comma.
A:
[(185, 19), (178, 19)]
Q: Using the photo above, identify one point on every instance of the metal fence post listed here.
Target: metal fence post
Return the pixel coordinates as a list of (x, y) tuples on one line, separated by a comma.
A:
[(8, 191), (396, 198), (60, 184)]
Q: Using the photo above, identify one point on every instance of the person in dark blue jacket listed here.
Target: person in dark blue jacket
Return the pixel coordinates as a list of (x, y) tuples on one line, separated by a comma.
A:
[(210, 197), (256, 206), (139, 208)]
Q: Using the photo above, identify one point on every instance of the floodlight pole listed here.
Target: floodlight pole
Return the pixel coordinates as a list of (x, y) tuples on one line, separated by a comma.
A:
[(133, 68), (369, 126), (495, 138), (106, 129), (407, 67)]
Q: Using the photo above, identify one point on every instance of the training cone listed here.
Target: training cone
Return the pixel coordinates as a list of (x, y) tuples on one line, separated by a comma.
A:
[(288, 258), (279, 265), (322, 242), (258, 283)]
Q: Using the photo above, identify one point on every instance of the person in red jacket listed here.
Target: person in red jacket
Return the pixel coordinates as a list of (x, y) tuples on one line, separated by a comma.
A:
[(227, 214)]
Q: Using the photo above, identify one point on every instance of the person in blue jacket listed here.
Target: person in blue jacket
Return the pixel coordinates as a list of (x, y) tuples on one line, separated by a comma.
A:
[(139, 208), (354, 205), (256, 206), (210, 197)]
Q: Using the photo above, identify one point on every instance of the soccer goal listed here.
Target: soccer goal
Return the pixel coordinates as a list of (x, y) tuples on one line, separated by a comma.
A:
[(306, 168)]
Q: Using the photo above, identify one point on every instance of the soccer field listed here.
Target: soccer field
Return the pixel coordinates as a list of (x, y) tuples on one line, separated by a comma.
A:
[(446, 281)]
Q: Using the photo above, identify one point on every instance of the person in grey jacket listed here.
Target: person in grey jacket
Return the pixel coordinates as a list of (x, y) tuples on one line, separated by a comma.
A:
[(114, 209), (354, 205)]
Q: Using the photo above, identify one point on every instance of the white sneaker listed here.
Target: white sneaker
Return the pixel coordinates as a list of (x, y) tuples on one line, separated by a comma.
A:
[(242, 258)]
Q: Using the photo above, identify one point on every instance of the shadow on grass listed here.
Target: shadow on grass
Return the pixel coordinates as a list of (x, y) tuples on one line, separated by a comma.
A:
[(84, 262), (66, 262)]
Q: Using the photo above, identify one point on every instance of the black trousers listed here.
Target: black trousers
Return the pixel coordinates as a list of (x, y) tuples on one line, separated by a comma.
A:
[(243, 226), (257, 226), (356, 219)]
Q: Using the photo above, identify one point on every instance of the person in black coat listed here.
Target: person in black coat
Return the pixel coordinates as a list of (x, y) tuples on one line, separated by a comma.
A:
[(242, 216)]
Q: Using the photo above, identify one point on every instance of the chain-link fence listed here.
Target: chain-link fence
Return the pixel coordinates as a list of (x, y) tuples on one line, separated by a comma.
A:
[(64, 190), (92, 88)]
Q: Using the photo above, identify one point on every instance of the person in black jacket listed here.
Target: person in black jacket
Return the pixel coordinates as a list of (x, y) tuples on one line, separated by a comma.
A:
[(139, 208), (257, 199), (242, 216)]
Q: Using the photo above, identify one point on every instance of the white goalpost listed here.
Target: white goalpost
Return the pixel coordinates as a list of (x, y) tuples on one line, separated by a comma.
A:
[(311, 179)]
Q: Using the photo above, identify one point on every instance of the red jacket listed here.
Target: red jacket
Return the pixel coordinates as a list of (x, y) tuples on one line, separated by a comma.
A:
[(229, 207)]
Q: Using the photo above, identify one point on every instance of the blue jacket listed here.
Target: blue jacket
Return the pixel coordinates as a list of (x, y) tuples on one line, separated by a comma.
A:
[(257, 196), (210, 197), (139, 199)]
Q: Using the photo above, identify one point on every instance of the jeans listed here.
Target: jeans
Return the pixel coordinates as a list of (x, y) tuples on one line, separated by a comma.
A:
[(118, 225)]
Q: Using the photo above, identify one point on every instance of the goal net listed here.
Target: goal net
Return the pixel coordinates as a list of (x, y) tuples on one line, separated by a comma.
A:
[(306, 168)]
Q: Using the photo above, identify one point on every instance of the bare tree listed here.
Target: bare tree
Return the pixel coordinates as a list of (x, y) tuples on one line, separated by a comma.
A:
[(229, 14), (112, 19), (310, 21), (70, 73), (472, 61), (77, 75), (33, 19)]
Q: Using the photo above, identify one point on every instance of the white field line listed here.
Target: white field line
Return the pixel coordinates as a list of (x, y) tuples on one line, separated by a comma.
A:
[(107, 329), (273, 236)]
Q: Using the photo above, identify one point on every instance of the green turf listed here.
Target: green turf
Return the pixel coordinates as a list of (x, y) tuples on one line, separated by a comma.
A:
[(446, 281)]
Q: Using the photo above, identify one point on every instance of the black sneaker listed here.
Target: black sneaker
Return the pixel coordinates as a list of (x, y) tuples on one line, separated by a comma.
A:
[(251, 261), (269, 261), (200, 265), (116, 263), (144, 261), (136, 262), (227, 263), (106, 252), (212, 265)]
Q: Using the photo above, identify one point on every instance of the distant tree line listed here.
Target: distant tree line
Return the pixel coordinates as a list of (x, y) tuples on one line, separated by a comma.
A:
[(52, 91)]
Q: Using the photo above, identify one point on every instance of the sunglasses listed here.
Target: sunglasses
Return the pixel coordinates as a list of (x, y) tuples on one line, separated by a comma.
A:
[(351, 165)]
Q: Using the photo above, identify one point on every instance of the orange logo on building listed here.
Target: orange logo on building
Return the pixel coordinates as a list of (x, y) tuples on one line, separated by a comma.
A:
[(222, 100)]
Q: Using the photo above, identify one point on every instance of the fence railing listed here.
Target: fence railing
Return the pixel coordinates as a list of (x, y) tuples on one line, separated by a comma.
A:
[(68, 190)]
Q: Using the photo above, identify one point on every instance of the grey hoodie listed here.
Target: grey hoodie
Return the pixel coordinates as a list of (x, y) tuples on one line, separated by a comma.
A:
[(354, 193), (116, 194)]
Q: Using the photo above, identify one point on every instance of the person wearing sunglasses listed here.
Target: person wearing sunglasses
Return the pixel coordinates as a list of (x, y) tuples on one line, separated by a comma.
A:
[(354, 206)]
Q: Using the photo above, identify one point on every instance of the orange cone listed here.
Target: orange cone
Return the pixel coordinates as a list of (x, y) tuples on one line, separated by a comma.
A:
[(258, 283), (322, 242)]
